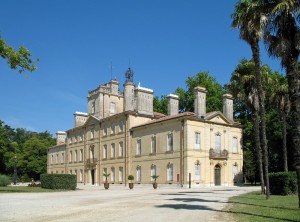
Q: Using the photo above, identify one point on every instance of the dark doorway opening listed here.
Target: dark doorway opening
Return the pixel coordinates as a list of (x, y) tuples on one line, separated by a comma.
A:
[(217, 175), (93, 176)]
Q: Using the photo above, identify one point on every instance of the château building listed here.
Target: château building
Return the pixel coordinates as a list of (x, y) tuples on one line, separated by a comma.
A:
[(121, 135)]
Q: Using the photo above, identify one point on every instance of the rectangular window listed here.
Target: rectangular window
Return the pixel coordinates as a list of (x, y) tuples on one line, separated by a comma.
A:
[(197, 172), (62, 158), (112, 108), (234, 145), (121, 125), (112, 154), (218, 144), (170, 142), (56, 159), (121, 149), (70, 157), (113, 128), (92, 133), (112, 174), (81, 155), (138, 147), (105, 151), (75, 156), (170, 172), (153, 144), (52, 159), (138, 174), (120, 174), (197, 141), (105, 131)]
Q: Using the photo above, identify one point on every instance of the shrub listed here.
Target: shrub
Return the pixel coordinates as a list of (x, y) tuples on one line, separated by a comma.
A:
[(283, 183), (4, 180), (130, 177), (58, 181)]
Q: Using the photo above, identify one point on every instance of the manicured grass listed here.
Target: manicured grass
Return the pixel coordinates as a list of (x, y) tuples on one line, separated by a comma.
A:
[(23, 189), (255, 207)]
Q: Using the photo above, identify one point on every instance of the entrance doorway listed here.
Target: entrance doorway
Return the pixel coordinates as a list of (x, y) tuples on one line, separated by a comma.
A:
[(217, 175), (93, 176)]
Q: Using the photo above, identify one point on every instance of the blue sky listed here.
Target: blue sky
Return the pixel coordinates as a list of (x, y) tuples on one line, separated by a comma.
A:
[(76, 41)]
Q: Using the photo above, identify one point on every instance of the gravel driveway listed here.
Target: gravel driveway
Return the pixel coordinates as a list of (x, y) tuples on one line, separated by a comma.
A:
[(120, 204)]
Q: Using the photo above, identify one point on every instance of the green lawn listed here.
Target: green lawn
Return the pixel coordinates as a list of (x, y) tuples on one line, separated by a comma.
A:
[(255, 207), (22, 189)]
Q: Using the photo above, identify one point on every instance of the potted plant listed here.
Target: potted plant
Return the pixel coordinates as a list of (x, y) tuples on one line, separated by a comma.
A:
[(106, 184), (130, 178), (154, 177)]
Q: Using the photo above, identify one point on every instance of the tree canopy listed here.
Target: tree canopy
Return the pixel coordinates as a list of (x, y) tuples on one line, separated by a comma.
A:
[(17, 59)]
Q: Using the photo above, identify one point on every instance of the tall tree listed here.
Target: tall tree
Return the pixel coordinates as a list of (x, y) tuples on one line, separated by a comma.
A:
[(282, 38), (250, 20), (20, 60), (242, 86), (279, 95)]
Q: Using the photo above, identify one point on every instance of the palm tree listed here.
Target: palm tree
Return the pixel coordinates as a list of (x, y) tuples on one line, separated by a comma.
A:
[(250, 20), (282, 38), (279, 94), (242, 86)]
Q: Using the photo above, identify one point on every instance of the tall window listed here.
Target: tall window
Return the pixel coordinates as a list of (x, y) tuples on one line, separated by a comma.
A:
[(153, 171), (113, 128), (105, 151), (121, 126), (105, 131), (170, 142), (138, 147), (138, 174), (153, 144), (92, 153), (70, 157), (52, 159), (170, 172), (93, 106), (112, 154), (197, 141), (112, 107), (92, 133), (113, 174), (75, 156), (120, 174), (218, 143), (234, 145), (121, 149), (197, 172), (56, 159), (81, 155), (62, 158)]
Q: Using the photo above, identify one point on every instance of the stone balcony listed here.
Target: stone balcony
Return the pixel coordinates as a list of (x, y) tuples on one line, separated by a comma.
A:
[(91, 163), (218, 155)]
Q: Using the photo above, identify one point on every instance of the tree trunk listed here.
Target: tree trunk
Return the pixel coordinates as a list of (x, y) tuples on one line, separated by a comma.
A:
[(284, 148), (258, 149), (261, 101), (294, 91)]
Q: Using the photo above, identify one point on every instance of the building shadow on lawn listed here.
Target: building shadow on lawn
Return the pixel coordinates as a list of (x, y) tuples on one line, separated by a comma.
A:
[(201, 207)]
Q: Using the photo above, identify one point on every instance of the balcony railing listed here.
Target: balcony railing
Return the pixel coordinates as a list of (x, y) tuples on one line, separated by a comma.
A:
[(217, 154), (91, 163)]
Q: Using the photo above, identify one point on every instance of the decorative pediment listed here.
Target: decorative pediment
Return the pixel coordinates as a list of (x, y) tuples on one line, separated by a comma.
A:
[(218, 117), (91, 120)]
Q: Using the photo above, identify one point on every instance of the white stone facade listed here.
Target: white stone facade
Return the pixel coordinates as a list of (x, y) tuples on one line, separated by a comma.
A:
[(121, 135)]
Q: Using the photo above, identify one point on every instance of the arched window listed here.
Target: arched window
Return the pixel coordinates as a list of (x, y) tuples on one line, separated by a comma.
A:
[(170, 172), (138, 174)]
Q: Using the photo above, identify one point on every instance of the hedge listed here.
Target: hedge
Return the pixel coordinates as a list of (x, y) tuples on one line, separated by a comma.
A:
[(283, 183), (58, 181), (4, 180)]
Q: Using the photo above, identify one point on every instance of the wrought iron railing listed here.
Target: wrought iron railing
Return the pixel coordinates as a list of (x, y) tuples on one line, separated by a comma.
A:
[(91, 162), (218, 154)]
